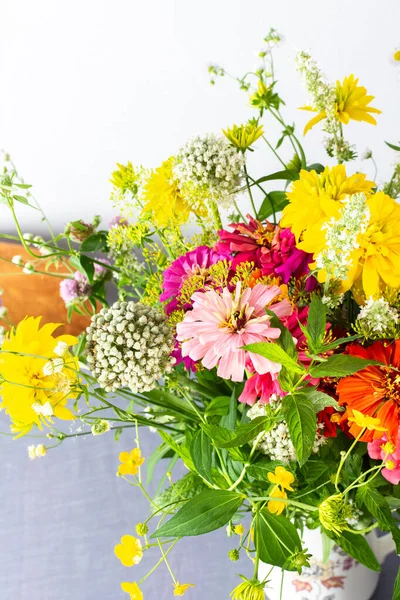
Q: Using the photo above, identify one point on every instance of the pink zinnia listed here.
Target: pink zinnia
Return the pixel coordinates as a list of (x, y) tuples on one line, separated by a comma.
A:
[(195, 262), (261, 388), (219, 325), (268, 246)]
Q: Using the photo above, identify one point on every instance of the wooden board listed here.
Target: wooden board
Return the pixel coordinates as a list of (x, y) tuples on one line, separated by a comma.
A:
[(34, 294)]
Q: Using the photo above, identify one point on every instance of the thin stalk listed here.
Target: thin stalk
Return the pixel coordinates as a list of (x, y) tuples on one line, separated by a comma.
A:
[(274, 151), (249, 190)]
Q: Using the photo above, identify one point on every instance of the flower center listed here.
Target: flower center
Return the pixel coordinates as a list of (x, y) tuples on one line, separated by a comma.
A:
[(392, 385), (237, 320)]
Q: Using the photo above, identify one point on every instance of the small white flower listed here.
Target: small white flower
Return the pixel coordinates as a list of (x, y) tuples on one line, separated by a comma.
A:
[(46, 410), (60, 348), (37, 451), (17, 260), (28, 268)]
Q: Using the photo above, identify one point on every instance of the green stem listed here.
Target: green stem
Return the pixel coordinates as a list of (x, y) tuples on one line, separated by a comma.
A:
[(159, 562), (215, 214), (274, 151), (301, 505), (249, 191), (344, 458)]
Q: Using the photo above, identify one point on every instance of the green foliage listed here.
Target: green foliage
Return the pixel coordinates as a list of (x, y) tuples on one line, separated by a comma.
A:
[(277, 354), (189, 486), (274, 202), (206, 512), (276, 539), (357, 547), (340, 365), (301, 420), (201, 453)]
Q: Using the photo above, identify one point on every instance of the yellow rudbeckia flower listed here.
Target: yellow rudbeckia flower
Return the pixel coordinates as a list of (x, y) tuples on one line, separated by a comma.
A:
[(132, 589), (352, 104), (40, 375), (376, 263), (180, 588), (282, 477), (316, 198), (130, 462), (129, 551)]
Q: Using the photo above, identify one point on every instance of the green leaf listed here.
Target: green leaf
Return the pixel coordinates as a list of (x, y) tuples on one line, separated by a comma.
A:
[(201, 453), (314, 469), (273, 202), (171, 403), (316, 324), (276, 538), (153, 459), (357, 547), (302, 424), (341, 365), (20, 199), (396, 588), (246, 433), (181, 451), (117, 433), (320, 400), (206, 512), (285, 340), (260, 469), (327, 546), (218, 434), (277, 354), (218, 406), (315, 167), (87, 266), (380, 509), (97, 241), (393, 147), (287, 175)]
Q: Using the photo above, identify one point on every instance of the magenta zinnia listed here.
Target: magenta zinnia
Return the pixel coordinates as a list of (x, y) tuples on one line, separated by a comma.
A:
[(219, 325)]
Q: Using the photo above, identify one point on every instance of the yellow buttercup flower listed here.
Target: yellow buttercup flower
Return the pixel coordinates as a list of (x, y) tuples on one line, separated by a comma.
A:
[(376, 263), (316, 198), (352, 104), (130, 462), (163, 197), (282, 477), (275, 506), (239, 529), (366, 422), (396, 55), (129, 551), (244, 136), (133, 590), (40, 375), (180, 588)]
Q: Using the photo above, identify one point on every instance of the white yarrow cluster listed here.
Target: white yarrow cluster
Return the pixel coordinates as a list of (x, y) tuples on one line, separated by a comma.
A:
[(276, 443), (129, 345), (377, 319), (322, 93), (342, 237), (210, 163)]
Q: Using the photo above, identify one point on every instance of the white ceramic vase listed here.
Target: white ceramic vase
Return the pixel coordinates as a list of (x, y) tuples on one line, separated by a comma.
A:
[(340, 578)]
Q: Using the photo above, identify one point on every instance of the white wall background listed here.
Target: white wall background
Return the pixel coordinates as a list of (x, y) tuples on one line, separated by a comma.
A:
[(87, 83)]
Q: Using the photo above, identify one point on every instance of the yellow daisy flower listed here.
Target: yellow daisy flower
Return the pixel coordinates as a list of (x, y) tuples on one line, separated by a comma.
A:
[(376, 263), (316, 198), (180, 588), (365, 421), (163, 197), (40, 375), (129, 551), (282, 477), (352, 104), (130, 462), (274, 506), (133, 590)]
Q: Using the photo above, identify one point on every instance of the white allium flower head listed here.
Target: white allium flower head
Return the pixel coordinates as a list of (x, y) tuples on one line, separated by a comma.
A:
[(139, 365)]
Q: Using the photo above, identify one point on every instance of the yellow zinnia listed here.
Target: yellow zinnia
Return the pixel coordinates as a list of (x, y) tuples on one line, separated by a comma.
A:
[(316, 198), (376, 263), (163, 197), (39, 373), (352, 103)]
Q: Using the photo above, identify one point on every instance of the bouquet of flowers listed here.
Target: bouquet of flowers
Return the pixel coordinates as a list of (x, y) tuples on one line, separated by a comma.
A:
[(264, 348)]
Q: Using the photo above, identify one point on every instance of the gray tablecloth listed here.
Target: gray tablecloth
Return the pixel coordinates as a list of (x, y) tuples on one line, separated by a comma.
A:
[(62, 515)]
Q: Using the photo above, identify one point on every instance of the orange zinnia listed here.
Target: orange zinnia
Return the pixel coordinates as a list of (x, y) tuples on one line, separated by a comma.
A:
[(374, 391)]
